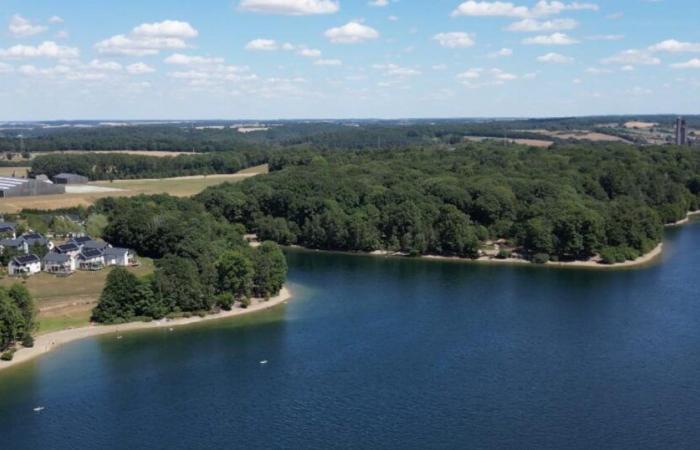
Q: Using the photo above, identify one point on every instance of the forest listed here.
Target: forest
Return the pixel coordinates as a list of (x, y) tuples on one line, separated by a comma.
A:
[(17, 319), (570, 202), (203, 263), (111, 166)]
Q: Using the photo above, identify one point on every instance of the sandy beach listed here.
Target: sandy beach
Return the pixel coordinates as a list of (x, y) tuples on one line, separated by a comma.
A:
[(46, 342)]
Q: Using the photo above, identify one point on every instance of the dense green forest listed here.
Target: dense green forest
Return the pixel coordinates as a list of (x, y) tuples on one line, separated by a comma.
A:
[(222, 136), (106, 166), (17, 319), (202, 263), (569, 202)]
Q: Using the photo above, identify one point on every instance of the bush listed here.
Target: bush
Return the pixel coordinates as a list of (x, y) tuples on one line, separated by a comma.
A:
[(8, 355), (28, 341), (245, 302), (540, 258), (225, 301), (504, 254)]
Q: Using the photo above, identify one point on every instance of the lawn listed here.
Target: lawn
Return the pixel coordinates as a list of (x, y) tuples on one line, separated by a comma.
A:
[(67, 302)]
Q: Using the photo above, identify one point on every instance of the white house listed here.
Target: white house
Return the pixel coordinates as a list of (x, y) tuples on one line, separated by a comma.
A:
[(24, 265), (19, 245), (59, 263), (7, 229), (91, 259), (117, 257), (69, 249), (33, 239)]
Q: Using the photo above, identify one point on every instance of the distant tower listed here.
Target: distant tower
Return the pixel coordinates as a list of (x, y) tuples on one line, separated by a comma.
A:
[(681, 131)]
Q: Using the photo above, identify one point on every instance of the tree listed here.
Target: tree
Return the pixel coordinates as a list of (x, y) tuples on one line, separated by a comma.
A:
[(235, 274), (96, 224), (23, 299), (176, 281), (119, 299), (12, 324), (270, 270)]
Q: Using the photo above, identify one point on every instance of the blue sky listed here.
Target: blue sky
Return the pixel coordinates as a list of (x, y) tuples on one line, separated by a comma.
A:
[(269, 59)]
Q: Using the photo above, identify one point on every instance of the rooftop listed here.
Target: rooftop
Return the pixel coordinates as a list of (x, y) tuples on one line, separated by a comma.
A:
[(25, 259)]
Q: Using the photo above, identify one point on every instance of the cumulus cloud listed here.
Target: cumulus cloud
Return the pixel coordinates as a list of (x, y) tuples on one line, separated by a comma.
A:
[(692, 64), (551, 39), (187, 60), (632, 57), (379, 3), (674, 46), (166, 29), (290, 7), (394, 70), (479, 77), (501, 53), (149, 39), (507, 9), (456, 39), (351, 33), (534, 25), (20, 27), (139, 69), (105, 65), (266, 45), (55, 20), (47, 49), (309, 52), (555, 58), (328, 62)]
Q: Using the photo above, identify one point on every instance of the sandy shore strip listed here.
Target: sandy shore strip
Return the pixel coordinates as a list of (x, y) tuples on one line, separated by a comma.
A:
[(686, 220), (46, 342)]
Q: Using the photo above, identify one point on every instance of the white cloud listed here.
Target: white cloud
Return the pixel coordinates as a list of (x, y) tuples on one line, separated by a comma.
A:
[(55, 20), (139, 69), (328, 62), (266, 45), (110, 66), (478, 77), (187, 60), (534, 25), (552, 39), (507, 9), (456, 39), (6, 68), (149, 39), (394, 70), (674, 46), (310, 53), (21, 27), (351, 33), (291, 7), (378, 3), (555, 58), (632, 58), (692, 64), (166, 29), (504, 52), (47, 49), (439, 67)]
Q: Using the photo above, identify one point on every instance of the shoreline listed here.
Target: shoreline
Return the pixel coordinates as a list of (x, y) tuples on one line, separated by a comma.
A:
[(594, 264), (48, 342)]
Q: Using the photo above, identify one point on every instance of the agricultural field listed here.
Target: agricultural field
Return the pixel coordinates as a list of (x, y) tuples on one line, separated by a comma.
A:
[(67, 302), (16, 171), (179, 187), (157, 154)]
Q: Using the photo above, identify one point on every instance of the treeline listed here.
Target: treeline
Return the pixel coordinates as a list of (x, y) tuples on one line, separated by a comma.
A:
[(566, 203), (106, 166), (202, 263), (17, 319)]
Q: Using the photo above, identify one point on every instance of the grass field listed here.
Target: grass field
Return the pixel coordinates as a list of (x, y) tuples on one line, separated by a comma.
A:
[(179, 187), (17, 171), (157, 154), (66, 302)]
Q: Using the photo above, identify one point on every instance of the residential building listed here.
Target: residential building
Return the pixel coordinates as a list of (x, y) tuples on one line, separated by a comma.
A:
[(59, 263), (97, 244), (681, 131), (69, 178), (7, 230), (90, 259), (69, 249), (24, 265), (33, 239), (19, 245), (118, 257)]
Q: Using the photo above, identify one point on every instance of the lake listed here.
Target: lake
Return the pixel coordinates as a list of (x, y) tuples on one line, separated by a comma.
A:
[(394, 353)]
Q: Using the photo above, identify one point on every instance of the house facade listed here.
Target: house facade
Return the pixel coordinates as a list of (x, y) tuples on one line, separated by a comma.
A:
[(90, 259), (118, 257), (24, 265), (59, 263), (18, 245)]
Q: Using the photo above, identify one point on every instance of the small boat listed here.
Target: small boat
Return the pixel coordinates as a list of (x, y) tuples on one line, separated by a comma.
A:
[(119, 337), (38, 409), (264, 361)]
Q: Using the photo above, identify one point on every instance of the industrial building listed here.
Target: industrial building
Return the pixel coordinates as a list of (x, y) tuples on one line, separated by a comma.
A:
[(24, 187), (69, 178), (681, 131)]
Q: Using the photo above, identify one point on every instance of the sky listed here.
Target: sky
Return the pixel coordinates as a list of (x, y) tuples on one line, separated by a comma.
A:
[(323, 59)]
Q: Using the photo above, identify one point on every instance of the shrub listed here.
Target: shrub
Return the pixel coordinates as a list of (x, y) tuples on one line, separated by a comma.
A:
[(540, 258), (225, 301), (8, 355), (28, 341), (245, 302), (504, 254)]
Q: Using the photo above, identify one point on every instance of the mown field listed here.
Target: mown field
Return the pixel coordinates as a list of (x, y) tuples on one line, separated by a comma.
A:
[(179, 187), (67, 302), (16, 171)]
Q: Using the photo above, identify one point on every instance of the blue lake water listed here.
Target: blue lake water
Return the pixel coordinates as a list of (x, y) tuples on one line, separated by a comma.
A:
[(394, 353)]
